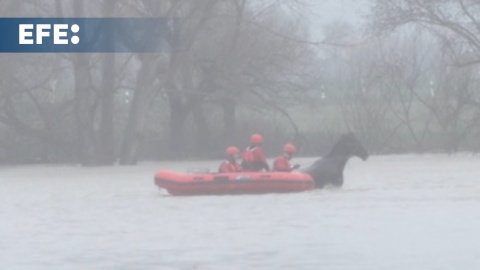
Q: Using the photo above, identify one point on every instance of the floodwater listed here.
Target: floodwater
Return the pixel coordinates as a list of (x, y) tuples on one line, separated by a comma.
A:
[(394, 212)]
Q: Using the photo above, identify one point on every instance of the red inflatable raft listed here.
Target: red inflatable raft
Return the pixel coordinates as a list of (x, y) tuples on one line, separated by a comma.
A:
[(181, 184)]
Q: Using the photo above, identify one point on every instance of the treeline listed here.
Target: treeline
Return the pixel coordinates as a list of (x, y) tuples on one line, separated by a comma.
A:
[(409, 83), (98, 109)]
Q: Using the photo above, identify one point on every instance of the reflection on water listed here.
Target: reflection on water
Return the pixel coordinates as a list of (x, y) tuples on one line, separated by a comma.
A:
[(396, 212)]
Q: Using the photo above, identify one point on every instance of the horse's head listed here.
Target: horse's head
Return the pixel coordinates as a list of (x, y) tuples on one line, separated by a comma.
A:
[(349, 146)]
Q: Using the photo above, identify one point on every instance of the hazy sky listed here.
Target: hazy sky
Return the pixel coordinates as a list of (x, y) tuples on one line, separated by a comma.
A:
[(328, 11)]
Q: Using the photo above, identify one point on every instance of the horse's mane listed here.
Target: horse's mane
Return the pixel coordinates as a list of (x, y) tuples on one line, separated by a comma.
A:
[(340, 146)]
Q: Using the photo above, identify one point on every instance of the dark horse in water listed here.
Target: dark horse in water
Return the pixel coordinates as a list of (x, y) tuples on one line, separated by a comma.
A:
[(329, 169)]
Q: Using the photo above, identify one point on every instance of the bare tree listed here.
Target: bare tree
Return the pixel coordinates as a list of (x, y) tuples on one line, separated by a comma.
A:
[(455, 24)]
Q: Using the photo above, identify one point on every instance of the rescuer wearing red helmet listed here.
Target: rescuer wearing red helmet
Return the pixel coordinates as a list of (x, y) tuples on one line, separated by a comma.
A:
[(253, 158), (282, 163), (230, 164)]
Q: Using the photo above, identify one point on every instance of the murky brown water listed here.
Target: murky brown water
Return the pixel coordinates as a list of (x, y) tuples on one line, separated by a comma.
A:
[(397, 212)]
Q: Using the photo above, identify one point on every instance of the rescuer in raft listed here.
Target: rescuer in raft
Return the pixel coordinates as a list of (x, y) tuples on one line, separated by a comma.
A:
[(253, 159), (282, 163), (230, 165)]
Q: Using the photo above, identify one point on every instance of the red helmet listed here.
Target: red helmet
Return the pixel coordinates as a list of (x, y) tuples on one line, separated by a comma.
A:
[(290, 149), (256, 139), (231, 151)]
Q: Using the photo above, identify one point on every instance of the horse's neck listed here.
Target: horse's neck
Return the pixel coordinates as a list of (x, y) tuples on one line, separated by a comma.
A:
[(339, 150), (338, 162), (341, 161)]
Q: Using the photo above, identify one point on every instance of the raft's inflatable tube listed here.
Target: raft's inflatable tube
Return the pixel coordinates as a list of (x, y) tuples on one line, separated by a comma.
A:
[(181, 184)]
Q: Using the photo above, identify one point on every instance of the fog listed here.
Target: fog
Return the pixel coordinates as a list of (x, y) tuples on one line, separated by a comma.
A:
[(83, 134), (298, 71)]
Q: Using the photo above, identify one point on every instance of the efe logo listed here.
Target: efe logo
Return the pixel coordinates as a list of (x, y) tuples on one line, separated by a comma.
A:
[(60, 33)]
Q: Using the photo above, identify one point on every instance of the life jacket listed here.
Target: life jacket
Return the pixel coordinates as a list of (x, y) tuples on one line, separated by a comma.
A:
[(282, 164), (248, 154), (228, 167), (253, 159)]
